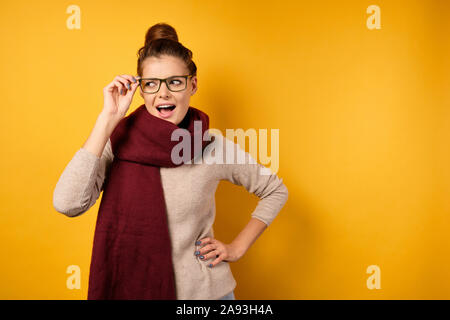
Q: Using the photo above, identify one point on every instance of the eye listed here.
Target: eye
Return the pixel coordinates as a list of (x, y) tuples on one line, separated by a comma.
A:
[(149, 83), (176, 81)]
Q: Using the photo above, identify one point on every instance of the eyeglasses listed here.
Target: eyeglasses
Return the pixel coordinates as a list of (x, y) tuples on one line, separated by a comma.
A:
[(174, 83)]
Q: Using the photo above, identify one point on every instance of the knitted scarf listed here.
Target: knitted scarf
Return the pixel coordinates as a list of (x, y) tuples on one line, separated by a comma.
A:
[(131, 255)]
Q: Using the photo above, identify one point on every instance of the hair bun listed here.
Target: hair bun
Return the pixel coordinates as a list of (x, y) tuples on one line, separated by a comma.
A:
[(162, 39), (160, 31)]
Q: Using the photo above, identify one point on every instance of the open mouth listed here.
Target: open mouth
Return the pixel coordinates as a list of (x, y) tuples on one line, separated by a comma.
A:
[(166, 111)]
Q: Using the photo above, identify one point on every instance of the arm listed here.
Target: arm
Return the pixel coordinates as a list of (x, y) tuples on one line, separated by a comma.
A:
[(270, 189), (247, 236), (82, 180)]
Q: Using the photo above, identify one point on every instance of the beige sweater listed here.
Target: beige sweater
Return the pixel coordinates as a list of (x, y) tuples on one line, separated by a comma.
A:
[(189, 192)]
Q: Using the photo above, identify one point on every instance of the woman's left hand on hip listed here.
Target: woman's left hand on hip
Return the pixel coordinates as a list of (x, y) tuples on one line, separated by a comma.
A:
[(218, 251)]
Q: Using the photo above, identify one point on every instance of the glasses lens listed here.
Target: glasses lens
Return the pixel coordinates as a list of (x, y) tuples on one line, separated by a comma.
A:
[(176, 83), (150, 86)]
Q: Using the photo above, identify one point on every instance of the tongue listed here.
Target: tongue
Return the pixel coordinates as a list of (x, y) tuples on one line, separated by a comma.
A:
[(166, 111)]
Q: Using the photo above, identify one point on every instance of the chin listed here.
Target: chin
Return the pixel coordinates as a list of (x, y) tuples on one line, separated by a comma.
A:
[(172, 119)]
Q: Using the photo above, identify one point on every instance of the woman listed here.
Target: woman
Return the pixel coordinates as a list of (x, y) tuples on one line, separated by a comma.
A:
[(154, 236)]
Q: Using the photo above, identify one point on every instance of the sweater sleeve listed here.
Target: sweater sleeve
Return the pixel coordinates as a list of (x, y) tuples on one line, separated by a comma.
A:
[(82, 181), (255, 178)]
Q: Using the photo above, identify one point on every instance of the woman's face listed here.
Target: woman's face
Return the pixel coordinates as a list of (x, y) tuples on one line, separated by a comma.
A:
[(165, 67)]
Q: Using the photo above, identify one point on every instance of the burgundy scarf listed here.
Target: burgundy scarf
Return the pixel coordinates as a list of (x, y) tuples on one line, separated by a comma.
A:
[(131, 255)]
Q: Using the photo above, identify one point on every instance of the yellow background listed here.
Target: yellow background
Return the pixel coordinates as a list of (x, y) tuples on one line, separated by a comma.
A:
[(364, 136)]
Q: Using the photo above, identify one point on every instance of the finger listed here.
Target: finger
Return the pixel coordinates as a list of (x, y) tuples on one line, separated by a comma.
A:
[(210, 255), (207, 248), (133, 88), (130, 78), (127, 80), (110, 87), (215, 262), (204, 241), (113, 86), (125, 83), (120, 87)]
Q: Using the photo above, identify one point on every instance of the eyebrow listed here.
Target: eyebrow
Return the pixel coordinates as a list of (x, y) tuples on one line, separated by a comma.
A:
[(177, 75)]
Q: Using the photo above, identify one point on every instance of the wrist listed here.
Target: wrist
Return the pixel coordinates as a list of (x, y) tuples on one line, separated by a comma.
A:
[(108, 122), (239, 248)]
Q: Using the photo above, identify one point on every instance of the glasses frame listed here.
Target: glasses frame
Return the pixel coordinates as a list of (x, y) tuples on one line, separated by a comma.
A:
[(187, 76)]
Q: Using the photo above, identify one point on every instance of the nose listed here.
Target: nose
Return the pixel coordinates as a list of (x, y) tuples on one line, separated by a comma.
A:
[(164, 90)]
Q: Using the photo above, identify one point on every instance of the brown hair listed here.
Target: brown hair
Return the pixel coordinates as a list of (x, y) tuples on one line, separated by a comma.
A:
[(162, 39)]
